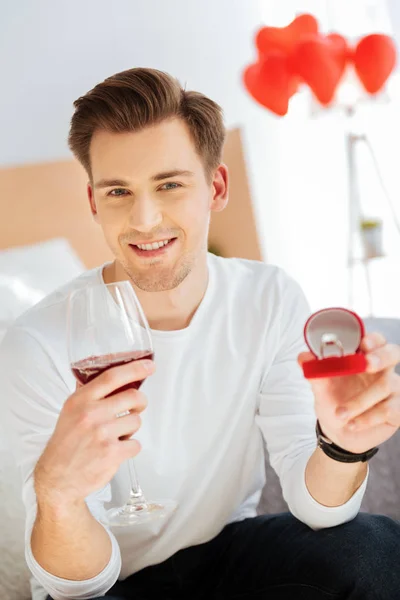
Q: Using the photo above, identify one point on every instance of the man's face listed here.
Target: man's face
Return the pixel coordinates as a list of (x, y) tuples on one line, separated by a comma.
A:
[(150, 187)]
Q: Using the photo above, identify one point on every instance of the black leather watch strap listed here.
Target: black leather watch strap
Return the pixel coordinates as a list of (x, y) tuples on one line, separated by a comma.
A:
[(339, 454)]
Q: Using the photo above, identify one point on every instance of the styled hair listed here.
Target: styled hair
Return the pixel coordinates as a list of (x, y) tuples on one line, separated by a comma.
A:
[(138, 98)]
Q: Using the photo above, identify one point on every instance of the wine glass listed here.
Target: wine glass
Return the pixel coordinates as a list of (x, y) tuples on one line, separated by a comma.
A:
[(107, 327)]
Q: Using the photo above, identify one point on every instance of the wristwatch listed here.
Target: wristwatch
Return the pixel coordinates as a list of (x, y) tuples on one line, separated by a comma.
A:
[(337, 453)]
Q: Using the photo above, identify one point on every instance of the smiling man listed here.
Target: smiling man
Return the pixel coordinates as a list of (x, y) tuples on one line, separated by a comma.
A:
[(156, 221), (228, 336)]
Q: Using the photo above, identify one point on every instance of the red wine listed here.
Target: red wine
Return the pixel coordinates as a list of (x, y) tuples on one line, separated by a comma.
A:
[(87, 369)]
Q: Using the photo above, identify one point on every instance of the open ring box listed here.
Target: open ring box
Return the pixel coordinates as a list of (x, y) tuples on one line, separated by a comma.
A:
[(334, 336)]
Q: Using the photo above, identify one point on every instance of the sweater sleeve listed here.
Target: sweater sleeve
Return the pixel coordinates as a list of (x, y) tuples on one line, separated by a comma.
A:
[(287, 419), (33, 392)]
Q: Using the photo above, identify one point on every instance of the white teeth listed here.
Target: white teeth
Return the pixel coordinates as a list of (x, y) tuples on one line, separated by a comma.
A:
[(153, 246)]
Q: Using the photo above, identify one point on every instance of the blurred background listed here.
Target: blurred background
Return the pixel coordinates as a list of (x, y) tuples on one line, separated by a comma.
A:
[(290, 176)]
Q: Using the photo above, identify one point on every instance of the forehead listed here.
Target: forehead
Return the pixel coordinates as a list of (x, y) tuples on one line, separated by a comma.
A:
[(155, 148)]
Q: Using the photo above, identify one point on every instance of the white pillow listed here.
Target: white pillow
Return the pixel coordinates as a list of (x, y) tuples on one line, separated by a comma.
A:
[(44, 266), (15, 298), (27, 274)]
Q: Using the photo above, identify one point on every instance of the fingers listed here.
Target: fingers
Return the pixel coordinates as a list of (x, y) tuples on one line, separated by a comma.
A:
[(375, 393), (384, 357), (379, 354), (304, 357), (121, 427), (129, 448), (372, 341), (387, 411), (130, 400), (117, 377)]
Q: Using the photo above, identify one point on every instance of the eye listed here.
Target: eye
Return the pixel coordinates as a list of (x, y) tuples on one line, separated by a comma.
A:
[(171, 183), (118, 192)]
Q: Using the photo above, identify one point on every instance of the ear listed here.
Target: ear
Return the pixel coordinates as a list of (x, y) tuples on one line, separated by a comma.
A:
[(92, 202), (220, 187)]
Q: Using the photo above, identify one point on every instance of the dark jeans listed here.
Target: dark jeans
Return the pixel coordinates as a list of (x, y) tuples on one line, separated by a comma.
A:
[(276, 557)]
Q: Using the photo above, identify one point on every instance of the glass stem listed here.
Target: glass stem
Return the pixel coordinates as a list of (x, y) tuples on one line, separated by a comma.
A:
[(136, 496)]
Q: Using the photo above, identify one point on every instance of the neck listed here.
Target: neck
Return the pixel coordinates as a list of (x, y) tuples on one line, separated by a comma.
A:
[(173, 309)]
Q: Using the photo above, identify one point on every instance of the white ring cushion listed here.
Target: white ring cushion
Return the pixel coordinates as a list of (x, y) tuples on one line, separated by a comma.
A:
[(340, 323)]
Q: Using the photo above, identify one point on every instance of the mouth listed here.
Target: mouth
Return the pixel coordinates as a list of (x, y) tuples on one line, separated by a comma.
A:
[(153, 250)]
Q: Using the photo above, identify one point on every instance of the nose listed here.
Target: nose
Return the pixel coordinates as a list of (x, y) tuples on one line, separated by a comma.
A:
[(145, 214)]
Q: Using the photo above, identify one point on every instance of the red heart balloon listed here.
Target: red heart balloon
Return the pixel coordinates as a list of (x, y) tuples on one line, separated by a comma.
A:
[(269, 82), (303, 25), (314, 60), (341, 50), (294, 84), (284, 39), (270, 39), (374, 60)]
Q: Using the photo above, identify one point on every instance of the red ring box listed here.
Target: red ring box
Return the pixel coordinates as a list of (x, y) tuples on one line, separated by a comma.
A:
[(334, 336)]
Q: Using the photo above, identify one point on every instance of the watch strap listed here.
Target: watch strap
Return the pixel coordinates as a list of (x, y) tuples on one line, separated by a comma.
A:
[(339, 454)]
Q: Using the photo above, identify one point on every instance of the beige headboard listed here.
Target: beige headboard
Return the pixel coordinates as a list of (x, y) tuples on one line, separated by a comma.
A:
[(42, 201)]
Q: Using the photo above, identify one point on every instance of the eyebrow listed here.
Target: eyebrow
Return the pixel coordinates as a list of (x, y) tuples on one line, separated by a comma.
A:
[(104, 183)]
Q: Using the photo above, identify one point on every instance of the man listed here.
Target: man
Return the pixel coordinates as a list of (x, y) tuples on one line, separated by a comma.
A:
[(227, 337)]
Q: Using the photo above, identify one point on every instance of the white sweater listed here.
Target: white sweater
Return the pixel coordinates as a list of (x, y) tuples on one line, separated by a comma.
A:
[(222, 386)]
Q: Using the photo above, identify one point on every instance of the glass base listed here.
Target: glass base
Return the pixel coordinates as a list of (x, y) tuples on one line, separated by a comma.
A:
[(138, 513)]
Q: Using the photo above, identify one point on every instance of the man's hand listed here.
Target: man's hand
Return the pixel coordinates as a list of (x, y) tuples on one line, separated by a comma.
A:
[(90, 442), (358, 412)]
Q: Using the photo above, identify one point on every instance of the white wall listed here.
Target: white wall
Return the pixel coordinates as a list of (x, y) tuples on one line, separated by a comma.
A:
[(307, 227), (53, 51)]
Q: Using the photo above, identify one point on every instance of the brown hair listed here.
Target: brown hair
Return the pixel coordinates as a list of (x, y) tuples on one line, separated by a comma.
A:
[(137, 98)]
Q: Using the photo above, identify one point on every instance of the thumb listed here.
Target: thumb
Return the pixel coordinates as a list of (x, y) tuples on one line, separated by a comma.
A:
[(304, 357)]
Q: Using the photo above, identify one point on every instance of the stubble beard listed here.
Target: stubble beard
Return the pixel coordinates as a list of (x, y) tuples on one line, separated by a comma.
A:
[(160, 280)]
